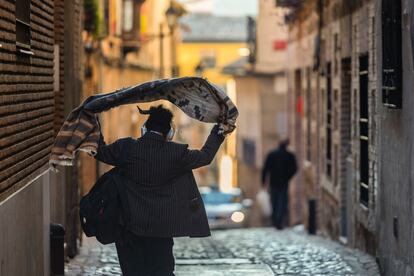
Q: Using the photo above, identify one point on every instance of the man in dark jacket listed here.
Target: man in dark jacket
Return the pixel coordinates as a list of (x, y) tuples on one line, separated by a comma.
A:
[(281, 165), (163, 197)]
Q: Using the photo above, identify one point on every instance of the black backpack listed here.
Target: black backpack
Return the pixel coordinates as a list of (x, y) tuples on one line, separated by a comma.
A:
[(101, 210)]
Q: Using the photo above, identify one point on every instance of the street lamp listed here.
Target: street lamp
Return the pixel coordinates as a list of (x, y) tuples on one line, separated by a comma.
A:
[(173, 14)]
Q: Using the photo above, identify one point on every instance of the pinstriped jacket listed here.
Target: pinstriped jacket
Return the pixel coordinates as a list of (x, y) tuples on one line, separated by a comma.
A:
[(163, 197)]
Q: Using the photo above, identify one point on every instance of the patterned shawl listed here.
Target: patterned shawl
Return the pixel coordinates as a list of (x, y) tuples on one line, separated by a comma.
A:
[(196, 97)]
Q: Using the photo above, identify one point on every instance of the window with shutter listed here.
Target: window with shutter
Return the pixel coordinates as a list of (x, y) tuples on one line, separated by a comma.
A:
[(391, 54), (249, 152), (131, 17), (23, 26)]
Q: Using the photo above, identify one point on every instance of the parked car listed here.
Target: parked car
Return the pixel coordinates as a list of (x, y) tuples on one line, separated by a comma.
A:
[(225, 209)]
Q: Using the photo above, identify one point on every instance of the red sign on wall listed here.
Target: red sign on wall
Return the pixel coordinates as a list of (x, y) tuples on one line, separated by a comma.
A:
[(279, 45), (299, 106)]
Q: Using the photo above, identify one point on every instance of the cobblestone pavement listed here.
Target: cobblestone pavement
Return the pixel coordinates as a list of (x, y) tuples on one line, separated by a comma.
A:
[(244, 252)]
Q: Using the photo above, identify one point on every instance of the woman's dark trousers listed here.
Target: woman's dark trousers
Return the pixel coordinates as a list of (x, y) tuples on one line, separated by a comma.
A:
[(145, 256)]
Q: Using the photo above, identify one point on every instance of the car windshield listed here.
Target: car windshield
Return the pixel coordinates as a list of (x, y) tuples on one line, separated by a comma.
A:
[(219, 198)]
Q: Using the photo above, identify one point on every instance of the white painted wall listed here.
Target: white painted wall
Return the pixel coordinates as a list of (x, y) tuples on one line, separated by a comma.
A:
[(24, 230)]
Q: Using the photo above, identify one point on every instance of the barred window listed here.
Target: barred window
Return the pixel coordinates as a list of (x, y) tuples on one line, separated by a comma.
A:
[(329, 121), (363, 131), (391, 53)]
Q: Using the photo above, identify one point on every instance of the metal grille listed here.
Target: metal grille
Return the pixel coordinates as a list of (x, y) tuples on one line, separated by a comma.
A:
[(363, 130), (329, 121), (391, 54)]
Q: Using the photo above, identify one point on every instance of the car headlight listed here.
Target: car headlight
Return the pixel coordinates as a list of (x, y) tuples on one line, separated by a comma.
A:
[(237, 217)]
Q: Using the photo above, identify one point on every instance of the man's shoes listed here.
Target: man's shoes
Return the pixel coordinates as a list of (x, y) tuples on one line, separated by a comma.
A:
[(278, 226)]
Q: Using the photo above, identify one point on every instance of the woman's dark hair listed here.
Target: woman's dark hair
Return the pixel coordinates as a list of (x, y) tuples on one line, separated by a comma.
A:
[(159, 119)]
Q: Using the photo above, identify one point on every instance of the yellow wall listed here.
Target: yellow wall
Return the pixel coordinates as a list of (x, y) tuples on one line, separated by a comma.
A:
[(189, 55), (125, 121)]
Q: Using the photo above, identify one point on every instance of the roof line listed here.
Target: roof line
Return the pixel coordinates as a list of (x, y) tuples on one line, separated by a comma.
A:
[(212, 41)]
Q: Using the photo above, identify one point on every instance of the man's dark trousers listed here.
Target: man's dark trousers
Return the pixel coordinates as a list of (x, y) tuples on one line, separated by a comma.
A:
[(145, 256), (279, 198), (281, 165)]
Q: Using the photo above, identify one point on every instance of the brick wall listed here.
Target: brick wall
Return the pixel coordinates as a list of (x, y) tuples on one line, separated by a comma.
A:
[(26, 94)]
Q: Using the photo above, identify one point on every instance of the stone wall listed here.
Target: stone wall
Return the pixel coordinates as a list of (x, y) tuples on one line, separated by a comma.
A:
[(382, 224), (324, 81)]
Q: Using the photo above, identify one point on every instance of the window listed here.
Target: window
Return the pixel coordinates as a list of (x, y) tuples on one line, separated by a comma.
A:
[(308, 114), (128, 22), (208, 58), (23, 26), (336, 165), (249, 152), (130, 12), (288, 3), (363, 131), (346, 83), (336, 43), (329, 121), (391, 54), (106, 17), (335, 110), (251, 38), (336, 50)]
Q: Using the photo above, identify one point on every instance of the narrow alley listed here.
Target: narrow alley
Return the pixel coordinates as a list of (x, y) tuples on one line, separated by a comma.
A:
[(241, 252), (177, 117)]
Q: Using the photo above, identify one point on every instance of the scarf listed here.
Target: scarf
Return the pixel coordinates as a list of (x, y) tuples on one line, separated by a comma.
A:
[(195, 96)]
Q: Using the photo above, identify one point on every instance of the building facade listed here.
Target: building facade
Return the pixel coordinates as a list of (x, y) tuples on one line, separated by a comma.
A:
[(128, 43), (349, 75), (40, 81)]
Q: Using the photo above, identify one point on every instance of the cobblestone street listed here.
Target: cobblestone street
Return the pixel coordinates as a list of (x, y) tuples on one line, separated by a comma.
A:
[(241, 252)]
